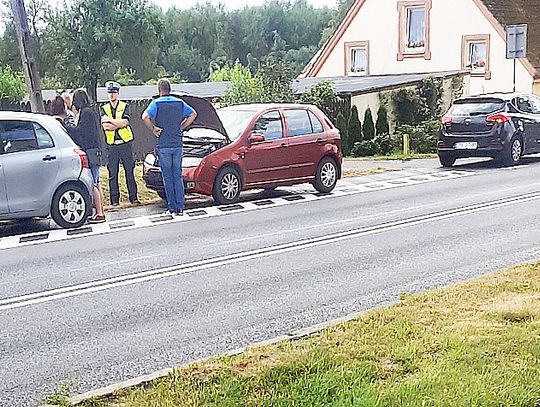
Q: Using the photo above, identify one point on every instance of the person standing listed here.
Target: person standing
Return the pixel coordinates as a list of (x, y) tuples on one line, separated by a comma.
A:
[(68, 101), (166, 117), (86, 135), (119, 138)]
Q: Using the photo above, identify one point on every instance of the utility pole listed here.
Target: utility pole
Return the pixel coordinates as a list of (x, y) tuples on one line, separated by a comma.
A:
[(31, 74)]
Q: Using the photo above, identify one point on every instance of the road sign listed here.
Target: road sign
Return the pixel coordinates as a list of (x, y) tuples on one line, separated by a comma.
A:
[(516, 41)]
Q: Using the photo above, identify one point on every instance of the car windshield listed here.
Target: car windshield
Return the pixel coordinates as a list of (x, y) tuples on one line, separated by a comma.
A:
[(235, 121), (477, 107)]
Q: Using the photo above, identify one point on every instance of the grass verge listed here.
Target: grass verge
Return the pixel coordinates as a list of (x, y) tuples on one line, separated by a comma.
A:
[(146, 196), (393, 157), (475, 344)]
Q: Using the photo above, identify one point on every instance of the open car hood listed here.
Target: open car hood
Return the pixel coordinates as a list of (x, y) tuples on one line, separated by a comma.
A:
[(207, 117)]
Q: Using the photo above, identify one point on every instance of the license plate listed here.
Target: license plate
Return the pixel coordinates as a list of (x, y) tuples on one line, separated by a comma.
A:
[(468, 145)]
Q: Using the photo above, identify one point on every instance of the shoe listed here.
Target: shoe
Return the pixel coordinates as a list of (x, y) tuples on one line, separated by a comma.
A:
[(97, 219), (179, 212), (115, 204), (168, 212), (136, 202)]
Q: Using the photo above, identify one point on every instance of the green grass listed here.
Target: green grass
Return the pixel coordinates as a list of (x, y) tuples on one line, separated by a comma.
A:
[(476, 344), (394, 156), (146, 196)]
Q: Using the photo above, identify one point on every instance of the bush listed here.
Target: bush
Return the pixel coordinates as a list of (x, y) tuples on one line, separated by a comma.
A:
[(385, 144), (12, 85), (368, 128), (364, 148), (423, 103), (243, 88), (341, 124), (422, 136), (381, 126), (324, 97), (354, 129)]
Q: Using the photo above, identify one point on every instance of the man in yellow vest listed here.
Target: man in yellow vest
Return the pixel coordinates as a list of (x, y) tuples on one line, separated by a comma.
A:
[(119, 138)]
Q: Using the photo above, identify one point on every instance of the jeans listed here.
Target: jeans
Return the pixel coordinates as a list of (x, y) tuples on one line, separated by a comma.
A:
[(170, 161), (123, 153)]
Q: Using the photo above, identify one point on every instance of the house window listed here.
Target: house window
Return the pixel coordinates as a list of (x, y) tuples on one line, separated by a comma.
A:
[(475, 54), (414, 17), (357, 58)]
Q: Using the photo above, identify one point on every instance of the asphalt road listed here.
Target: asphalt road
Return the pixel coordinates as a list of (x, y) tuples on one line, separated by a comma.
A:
[(104, 308)]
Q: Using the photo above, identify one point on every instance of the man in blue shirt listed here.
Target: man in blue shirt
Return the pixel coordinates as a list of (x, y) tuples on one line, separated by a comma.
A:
[(166, 117)]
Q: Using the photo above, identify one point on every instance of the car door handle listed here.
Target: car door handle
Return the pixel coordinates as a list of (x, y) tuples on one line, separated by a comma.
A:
[(319, 141), (49, 158), (283, 145)]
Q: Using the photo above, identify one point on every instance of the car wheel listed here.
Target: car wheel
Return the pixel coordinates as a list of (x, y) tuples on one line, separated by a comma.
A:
[(447, 160), (327, 175), (512, 155), (227, 186), (162, 194), (71, 206)]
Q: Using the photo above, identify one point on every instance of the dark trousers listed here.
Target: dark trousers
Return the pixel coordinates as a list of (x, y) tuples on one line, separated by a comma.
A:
[(121, 153)]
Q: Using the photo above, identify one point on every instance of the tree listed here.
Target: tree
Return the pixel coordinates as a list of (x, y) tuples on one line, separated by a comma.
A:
[(243, 88), (354, 129), (368, 128), (275, 78), (341, 124), (382, 126), (324, 97), (12, 85), (88, 38)]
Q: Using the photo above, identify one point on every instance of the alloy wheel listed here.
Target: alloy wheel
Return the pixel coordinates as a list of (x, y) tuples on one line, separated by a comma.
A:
[(230, 186), (328, 174), (516, 150), (72, 206)]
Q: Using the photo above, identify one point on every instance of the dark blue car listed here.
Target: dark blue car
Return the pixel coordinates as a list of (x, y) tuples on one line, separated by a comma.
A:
[(502, 126)]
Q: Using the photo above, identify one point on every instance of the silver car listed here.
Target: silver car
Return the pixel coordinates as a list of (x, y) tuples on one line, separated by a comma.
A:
[(42, 171)]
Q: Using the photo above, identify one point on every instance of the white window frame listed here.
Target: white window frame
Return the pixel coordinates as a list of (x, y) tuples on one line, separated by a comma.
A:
[(350, 47)]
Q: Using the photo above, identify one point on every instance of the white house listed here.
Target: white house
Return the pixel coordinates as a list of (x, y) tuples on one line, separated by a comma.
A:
[(382, 37)]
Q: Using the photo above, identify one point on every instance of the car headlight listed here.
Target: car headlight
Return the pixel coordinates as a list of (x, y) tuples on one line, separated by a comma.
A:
[(191, 162)]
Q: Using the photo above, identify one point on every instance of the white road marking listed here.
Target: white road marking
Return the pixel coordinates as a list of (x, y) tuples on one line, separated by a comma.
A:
[(145, 276)]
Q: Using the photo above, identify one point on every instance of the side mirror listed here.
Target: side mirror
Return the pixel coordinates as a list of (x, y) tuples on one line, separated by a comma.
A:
[(256, 138)]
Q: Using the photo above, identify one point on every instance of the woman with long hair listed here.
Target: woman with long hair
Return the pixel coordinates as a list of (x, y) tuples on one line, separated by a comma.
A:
[(86, 135)]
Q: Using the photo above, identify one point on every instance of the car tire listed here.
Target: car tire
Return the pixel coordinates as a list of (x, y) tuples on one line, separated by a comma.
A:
[(326, 176), (227, 186), (447, 160), (512, 154), (71, 206)]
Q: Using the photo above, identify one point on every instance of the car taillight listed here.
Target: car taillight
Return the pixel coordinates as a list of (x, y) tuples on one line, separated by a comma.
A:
[(497, 118), (446, 120), (83, 158)]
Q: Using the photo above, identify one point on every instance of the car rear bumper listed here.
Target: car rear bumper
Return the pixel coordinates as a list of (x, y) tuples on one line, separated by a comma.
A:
[(486, 146)]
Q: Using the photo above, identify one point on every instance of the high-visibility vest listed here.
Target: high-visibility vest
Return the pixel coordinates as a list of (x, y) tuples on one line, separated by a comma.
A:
[(125, 134)]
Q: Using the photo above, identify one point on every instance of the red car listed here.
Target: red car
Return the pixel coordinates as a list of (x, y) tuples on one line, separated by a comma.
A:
[(255, 146)]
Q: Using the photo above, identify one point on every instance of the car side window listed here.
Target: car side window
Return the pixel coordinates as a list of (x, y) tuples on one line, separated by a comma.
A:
[(535, 104), (316, 124), (44, 139), (269, 125), (298, 122), (17, 136)]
